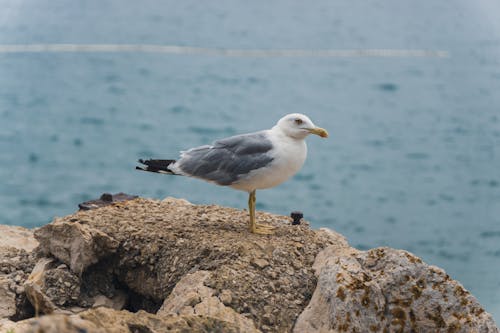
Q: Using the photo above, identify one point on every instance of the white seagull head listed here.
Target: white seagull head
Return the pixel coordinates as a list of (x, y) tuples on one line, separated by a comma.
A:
[(298, 126)]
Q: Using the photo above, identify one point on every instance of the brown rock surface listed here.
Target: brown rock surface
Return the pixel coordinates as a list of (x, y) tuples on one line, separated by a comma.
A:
[(145, 247), (103, 320)]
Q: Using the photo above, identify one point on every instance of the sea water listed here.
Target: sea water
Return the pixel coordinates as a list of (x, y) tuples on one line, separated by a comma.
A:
[(413, 160)]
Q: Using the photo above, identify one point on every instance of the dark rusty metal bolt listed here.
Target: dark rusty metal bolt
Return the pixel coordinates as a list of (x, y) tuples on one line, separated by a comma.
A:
[(296, 216)]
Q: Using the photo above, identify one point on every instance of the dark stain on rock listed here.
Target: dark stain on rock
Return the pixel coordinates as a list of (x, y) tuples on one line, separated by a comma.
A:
[(398, 313), (138, 328), (416, 291), (365, 300), (411, 314), (460, 292), (413, 259), (436, 318), (341, 294)]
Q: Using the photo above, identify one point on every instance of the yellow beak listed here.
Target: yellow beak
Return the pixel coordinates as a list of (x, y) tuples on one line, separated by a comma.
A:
[(319, 131)]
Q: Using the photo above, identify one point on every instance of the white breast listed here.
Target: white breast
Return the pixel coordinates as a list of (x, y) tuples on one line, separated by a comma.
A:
[(289, 155)]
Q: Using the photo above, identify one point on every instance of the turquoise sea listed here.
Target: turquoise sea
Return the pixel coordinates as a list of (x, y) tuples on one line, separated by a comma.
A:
[(413, 160)]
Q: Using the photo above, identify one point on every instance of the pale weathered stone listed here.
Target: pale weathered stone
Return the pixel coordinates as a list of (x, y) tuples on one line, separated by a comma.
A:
[(75, 244), (34, 286), (17, 237), (260, 263), (9, 326), (388, 290), (190, 291), (118, 302), (177, 201), (338, 240), (104, 320)]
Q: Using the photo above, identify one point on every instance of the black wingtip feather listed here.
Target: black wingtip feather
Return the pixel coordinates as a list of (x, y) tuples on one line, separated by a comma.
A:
[(160, 166)]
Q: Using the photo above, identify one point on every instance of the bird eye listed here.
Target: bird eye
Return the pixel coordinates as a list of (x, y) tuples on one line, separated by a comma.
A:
[(298, 121)]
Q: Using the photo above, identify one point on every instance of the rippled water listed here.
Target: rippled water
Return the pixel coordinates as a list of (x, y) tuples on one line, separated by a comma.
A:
[(413, 160)]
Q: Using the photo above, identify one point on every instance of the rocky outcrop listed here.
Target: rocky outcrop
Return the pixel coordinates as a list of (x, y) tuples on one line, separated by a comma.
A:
[(386, 289), (170, 266), (143, 248)]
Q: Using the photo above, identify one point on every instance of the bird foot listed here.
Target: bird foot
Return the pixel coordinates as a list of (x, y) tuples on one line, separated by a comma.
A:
[(262, 229)]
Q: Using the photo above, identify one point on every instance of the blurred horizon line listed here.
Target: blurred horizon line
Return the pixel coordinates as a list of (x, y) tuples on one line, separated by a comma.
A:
[(227, 52)]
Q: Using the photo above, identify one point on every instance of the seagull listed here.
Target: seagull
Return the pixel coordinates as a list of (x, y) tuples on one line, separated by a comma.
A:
[(246, 162)]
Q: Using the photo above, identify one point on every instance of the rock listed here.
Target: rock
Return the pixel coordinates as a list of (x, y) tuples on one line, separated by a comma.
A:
[(54, 288), (118, 302), (145, 247), (226, 297), (190, 292), (103, 320), (75, 244), (176, 201), (157, 266), (15, 265), (55, 323), (388, 290), (7, 299), (260, 263), (15, 262), (62, 286), (17, 237), (8, 326), (16, 244), (35, 285)]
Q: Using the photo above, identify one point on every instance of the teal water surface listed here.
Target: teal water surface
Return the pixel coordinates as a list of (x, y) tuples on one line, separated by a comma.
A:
[(414, 155)]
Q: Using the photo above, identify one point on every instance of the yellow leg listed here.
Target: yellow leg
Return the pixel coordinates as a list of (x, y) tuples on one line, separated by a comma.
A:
[(251, 211), (254, 227)]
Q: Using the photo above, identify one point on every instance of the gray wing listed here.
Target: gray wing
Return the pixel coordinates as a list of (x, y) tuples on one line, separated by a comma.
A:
[(226, 160)]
